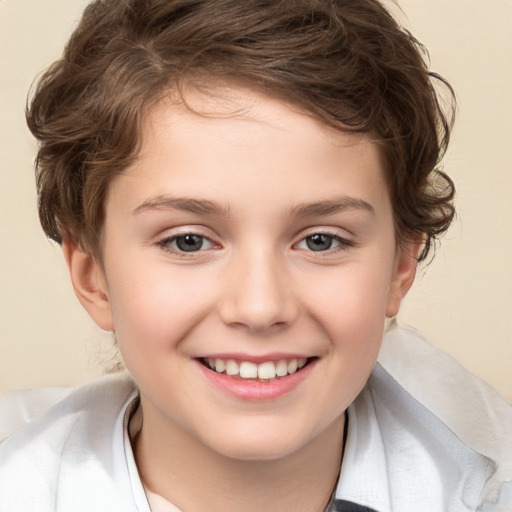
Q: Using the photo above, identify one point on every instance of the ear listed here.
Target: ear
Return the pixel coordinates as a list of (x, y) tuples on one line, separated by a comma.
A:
[(89, 283), (403, 275)]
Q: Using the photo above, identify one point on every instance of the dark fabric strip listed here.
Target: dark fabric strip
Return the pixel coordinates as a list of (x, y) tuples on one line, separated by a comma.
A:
[(348, 506)]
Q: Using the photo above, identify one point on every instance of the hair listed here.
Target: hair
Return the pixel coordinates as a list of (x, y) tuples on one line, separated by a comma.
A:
[(346, 62)]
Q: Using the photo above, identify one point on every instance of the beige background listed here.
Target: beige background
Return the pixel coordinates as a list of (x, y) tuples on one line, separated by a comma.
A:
[(462, 302)]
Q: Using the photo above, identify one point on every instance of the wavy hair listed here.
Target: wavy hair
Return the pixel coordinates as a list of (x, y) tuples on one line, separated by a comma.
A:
[(346, 62)]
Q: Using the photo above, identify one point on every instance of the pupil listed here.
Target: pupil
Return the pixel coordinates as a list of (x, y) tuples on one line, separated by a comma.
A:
[(189, 243), (319, 242)]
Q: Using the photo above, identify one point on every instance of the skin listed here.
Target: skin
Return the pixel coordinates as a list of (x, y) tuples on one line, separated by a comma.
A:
[(263, 178)]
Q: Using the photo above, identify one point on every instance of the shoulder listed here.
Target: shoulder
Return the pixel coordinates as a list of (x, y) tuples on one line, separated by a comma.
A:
[(470, 407), (69, 441), (24, 413), (19, 407), (450, 411)]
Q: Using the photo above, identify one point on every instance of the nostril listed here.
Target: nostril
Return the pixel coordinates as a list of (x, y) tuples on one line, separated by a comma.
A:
[(258, 300)]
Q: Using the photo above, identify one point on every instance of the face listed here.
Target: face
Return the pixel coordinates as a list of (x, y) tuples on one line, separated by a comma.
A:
[(249, 263)]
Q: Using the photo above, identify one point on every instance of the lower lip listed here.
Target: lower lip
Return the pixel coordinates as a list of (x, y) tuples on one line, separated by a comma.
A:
[(253, 390)]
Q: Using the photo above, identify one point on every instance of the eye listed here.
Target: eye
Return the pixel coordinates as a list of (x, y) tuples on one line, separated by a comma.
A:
[(319, 242), (188, 242)]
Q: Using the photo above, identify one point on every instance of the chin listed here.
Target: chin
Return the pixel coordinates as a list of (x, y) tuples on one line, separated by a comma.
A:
[(256, 452), (260, 444)]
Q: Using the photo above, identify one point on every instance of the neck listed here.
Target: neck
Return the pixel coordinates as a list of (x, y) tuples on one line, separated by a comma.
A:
[(191, 476)]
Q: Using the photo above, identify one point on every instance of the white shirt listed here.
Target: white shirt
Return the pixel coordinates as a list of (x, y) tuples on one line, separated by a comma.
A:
[(423, 436)]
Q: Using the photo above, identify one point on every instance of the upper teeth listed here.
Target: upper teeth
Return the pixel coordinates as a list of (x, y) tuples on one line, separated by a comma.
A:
[(249, 370)]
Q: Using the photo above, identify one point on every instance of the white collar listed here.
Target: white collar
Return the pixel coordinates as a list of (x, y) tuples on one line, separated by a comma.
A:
[(414, 444)]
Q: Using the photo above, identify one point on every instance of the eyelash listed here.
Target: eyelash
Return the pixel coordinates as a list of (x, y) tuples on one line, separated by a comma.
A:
[(344, 243), (166, 243)]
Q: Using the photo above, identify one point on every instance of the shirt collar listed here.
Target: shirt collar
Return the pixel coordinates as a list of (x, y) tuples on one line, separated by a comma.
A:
[(399, 455)]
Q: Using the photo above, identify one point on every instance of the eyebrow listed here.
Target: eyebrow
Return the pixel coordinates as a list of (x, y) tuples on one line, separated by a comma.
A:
[(205, 206), (331, 207), (199, 206)]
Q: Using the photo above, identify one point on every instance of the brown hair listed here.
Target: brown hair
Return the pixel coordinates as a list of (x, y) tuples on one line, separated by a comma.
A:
[(347, 62)]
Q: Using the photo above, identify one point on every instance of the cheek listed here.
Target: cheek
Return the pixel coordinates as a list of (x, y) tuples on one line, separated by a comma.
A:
[(350, 308), (351, 298), (154, 309)]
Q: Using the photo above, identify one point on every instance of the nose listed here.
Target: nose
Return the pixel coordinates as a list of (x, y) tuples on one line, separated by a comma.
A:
[(258, 293)]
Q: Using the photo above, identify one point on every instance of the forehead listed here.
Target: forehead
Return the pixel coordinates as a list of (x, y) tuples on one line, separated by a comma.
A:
[(234, 105), (238, 140)]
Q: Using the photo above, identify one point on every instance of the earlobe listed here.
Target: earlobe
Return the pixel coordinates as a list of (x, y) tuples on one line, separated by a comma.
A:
[(89, 283), (403, 276)]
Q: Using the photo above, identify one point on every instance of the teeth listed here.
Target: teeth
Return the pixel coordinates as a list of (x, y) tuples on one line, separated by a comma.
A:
[(292, 366), (265, 371), (281, 368), (248, 370), (232, 367)]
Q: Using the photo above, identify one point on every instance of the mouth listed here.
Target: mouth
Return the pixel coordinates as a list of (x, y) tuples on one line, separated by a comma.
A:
[(257, 380), (266, 371)]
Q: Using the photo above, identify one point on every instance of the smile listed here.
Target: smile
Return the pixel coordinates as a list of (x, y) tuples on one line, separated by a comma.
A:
[(256, 380), (265, 371)]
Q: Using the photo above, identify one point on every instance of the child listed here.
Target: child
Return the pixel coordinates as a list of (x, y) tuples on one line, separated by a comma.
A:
[(242, 191)]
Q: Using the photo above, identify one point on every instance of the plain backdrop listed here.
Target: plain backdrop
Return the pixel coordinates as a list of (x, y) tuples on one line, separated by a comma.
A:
[(462, 302)]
